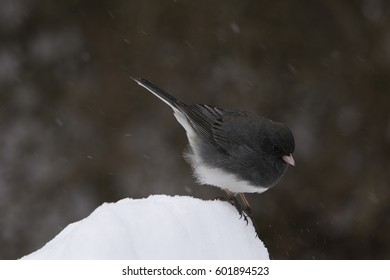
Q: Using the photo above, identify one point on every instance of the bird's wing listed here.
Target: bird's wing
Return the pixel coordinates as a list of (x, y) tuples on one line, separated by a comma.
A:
[(220, 135), (233, 130), (203, 118)]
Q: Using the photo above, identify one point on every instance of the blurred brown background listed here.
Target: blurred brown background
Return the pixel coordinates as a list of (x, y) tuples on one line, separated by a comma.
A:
[(75, 131)]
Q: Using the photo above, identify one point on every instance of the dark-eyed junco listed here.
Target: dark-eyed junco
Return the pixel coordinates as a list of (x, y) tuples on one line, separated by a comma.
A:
[(237, 151)]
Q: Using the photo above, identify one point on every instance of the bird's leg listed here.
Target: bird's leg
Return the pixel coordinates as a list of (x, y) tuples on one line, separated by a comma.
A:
[(233, 200), (248, 208), (248, 212)]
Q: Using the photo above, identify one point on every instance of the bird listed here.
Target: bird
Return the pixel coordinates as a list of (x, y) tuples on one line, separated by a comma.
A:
[(235, 150)]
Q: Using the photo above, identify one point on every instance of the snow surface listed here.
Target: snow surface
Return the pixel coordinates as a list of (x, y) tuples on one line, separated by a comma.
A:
[(157, 227)]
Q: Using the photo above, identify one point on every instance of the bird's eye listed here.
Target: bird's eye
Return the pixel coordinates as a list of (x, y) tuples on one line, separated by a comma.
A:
[(276, 148)]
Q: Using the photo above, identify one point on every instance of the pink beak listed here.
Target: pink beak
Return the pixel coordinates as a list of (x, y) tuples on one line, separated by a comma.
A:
[(289, 159)]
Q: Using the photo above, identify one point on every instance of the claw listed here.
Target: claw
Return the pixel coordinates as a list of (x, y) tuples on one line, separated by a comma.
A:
[(245, 217), (245, 211)]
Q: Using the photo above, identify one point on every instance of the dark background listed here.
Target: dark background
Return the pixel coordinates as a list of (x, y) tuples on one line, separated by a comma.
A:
[(75, 131)]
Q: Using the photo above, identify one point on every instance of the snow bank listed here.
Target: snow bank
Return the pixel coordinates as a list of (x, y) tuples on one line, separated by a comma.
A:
[(158, 227)]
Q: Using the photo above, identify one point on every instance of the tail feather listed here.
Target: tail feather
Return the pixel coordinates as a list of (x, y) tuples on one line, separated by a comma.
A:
[(164, 96)]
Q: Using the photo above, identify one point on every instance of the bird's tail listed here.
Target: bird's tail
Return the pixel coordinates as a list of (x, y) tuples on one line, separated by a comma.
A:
[(164, 96)]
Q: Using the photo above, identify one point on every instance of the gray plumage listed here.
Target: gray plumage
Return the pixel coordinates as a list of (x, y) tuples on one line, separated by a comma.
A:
[(234, 150)]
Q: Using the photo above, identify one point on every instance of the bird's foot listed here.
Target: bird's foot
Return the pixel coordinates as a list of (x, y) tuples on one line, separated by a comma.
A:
[(233, 201), (245, 210), (247, 213), (240, 209)]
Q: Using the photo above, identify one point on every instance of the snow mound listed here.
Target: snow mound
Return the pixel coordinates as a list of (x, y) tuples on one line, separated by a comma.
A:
[(157, 227)]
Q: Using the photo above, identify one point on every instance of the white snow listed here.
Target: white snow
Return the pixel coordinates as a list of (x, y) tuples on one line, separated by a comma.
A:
[(157, 227)]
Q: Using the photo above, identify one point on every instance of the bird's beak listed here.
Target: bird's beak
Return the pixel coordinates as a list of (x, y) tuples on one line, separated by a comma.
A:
[(289, 159)]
